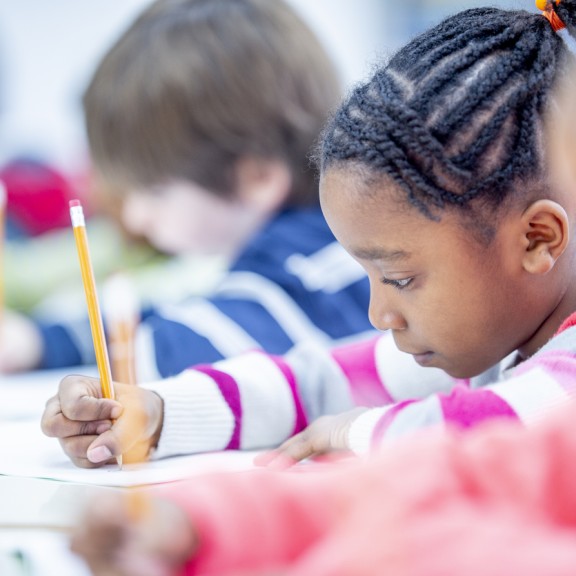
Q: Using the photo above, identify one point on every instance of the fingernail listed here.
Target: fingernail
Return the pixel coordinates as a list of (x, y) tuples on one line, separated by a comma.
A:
[(100, 454), (281, 462)]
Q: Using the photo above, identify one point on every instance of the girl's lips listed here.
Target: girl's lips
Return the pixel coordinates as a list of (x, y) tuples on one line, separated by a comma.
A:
[(423, 359)]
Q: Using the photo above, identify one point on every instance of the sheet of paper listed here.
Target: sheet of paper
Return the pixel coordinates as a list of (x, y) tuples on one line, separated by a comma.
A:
[(26, 452)]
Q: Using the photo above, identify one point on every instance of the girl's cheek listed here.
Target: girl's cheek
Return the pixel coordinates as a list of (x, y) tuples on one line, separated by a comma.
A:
[(562, 135)]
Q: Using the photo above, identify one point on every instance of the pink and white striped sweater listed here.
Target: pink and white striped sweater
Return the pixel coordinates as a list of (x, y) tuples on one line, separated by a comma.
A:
[(257, 400)]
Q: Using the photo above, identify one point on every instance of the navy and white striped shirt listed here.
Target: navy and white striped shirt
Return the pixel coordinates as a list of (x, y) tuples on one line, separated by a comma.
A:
[(292, 283)]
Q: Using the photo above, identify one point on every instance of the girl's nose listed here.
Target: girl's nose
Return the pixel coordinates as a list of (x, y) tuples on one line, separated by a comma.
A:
[(382, 313)]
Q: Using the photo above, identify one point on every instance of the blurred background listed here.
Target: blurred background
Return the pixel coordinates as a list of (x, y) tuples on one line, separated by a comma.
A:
[(48, 51)]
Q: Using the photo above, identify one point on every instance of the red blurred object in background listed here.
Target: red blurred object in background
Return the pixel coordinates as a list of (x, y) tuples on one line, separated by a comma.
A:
[(38, 195)]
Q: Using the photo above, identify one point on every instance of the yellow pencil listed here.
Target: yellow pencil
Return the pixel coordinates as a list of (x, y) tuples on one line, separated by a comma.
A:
[(94, 314)]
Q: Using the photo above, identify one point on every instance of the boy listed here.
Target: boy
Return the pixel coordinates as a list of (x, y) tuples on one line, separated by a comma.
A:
[(200, 120)]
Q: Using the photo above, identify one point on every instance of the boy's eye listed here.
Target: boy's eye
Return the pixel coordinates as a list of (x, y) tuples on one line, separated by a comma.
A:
[(398, 284)]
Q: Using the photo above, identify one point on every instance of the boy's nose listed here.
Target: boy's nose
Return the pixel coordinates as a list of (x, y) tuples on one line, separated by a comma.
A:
[(136, 214)]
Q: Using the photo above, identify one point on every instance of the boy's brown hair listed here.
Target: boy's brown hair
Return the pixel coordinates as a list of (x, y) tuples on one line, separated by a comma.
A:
[(194, 85)]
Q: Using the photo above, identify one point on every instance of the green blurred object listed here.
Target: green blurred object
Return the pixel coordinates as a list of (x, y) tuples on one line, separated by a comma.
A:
[(14, 563), (37, 270)]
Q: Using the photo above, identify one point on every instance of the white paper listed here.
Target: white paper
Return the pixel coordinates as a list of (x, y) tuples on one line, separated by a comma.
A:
[(25, 451)]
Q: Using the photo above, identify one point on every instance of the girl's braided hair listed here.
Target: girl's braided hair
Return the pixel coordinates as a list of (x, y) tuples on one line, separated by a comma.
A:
[(456, 115)]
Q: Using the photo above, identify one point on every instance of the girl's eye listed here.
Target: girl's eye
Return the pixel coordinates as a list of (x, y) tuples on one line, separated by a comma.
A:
[(398, 284)]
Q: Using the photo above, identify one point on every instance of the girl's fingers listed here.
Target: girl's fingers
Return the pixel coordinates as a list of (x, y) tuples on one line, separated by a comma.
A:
[(294, 450), (274, 459), (120, 439), (80, 398), (61, 427)]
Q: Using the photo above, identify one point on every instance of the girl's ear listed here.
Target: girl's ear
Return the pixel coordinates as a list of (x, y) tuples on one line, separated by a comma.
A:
[(263, 185), (546, 234)]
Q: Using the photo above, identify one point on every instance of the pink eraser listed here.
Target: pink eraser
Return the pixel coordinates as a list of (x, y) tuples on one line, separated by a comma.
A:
[(73, 203)]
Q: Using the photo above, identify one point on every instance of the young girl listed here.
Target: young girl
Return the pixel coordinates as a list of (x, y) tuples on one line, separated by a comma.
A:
[(436, 178), (200, 121)]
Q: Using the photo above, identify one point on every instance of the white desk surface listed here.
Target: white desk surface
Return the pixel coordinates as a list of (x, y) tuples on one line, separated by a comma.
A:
[(33, 511), (33, 515), (41, 493)]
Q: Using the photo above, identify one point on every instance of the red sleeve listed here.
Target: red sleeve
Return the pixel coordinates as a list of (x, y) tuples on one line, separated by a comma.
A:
[(258, 519), (436, 503)]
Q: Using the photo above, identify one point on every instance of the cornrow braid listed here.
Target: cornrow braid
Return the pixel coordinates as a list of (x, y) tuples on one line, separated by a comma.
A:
[(456, 115), (567, 13)]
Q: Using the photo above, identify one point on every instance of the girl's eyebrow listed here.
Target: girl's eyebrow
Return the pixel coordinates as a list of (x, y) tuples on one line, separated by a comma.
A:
[(378, 253)]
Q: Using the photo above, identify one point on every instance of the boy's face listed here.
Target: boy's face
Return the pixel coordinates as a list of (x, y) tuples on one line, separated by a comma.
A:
[(183, 218), (450, 302)]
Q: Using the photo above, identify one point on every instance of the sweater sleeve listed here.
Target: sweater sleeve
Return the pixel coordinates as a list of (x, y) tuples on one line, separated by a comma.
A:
[(527, 393), (260, 519), (257, 400)]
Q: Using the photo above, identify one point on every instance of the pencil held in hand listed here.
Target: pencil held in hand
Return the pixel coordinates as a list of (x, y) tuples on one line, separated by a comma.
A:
[(121, 311), (94, 315)]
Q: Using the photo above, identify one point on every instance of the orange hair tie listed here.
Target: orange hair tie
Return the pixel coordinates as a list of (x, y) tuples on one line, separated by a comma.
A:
[(550, 15)]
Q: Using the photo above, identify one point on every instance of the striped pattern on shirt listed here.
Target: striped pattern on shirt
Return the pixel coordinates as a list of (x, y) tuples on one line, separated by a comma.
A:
[(258, 400)]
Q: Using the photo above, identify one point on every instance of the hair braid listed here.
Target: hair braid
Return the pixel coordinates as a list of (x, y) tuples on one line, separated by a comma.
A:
[(566, 10), (457, 113)]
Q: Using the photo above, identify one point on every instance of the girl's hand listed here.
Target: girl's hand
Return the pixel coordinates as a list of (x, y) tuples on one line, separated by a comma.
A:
[(115, 540), (94, 430), (326, 434)]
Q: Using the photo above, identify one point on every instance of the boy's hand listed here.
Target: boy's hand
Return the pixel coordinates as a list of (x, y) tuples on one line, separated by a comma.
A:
[(116, 540), (94, 430), (324, 435), (20, 343)]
